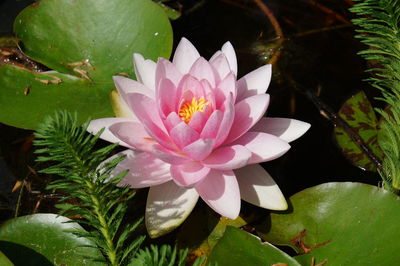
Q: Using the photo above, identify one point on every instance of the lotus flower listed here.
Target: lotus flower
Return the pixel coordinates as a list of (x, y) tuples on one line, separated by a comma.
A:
[(193, 130)]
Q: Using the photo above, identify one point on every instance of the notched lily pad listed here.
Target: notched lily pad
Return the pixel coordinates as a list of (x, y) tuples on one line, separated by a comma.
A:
[(46, 239), (340, 223), (238, 247), (360, 116), (86, 42)]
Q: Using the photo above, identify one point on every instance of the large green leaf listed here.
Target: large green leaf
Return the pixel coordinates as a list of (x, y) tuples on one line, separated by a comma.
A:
[(28, 100), (106, 33), (46, 239), (360, 116), (92, 40), (341, 223), (238, 247)]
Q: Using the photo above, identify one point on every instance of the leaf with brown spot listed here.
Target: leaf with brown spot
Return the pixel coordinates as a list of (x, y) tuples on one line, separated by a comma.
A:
[(341, 223), (358, 113)]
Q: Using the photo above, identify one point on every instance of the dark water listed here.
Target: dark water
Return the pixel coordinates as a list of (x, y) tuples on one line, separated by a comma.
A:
[(327, 59), (319, 51)]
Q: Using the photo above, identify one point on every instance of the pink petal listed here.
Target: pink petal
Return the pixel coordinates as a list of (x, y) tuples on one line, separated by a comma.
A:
[(96, 125), (212, 125), (166, 97), (183, 135), (202, 69), (284, 128), (190, 88), (220, 191), (144, 107), (199, 149), (230, 54), (198, 121), (145, 71), (209, 93), (255, 82), (247, 113), (227, 158), (226, 123), (120, 100), (221, 64), (185, 56), (120, 107), (226, 88), (166, 70), (169, 156), (172, 120), (125, 85), (189, 173), (257, 187), (145, 169), (264, 147), (133, 134), (168, 205)]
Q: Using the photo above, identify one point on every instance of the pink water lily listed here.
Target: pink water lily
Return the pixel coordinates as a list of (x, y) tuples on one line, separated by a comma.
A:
[(192, 129)]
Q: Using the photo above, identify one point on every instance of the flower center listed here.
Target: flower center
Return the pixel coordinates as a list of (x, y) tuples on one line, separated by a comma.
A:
[(189, 108)]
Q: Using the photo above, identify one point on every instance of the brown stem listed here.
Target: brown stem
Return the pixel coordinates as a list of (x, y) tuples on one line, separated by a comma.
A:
[(320, 30), (329, 11), (277, 27)]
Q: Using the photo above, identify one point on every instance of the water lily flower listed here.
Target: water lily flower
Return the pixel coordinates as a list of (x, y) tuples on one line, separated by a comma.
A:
[(193, 130)]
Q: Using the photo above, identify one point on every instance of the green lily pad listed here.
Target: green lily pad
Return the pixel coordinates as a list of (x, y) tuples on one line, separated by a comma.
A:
[(360, 116), (341, 223), (238, 247), (4, 260), (46, 239), (91, 40), (28, 101)]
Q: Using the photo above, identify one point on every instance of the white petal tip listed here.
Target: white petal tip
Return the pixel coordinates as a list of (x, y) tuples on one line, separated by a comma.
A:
[(137, 56), (232, 216), (279, 205), (297, 129), (168, 206), (163, 225), (157, 233)]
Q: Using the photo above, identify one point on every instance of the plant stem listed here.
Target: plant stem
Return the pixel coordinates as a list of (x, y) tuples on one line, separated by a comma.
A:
[(21, 191), (277, 27)]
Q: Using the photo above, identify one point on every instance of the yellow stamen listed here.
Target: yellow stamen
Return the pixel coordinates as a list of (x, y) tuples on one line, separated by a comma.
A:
[(189, 108)]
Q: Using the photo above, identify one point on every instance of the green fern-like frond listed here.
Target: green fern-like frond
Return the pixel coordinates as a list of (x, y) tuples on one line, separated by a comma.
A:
[(164, 255), (379, 22), (83, 176)]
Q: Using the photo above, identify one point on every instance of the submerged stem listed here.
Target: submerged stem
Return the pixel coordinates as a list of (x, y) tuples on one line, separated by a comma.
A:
[(277, 27)]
